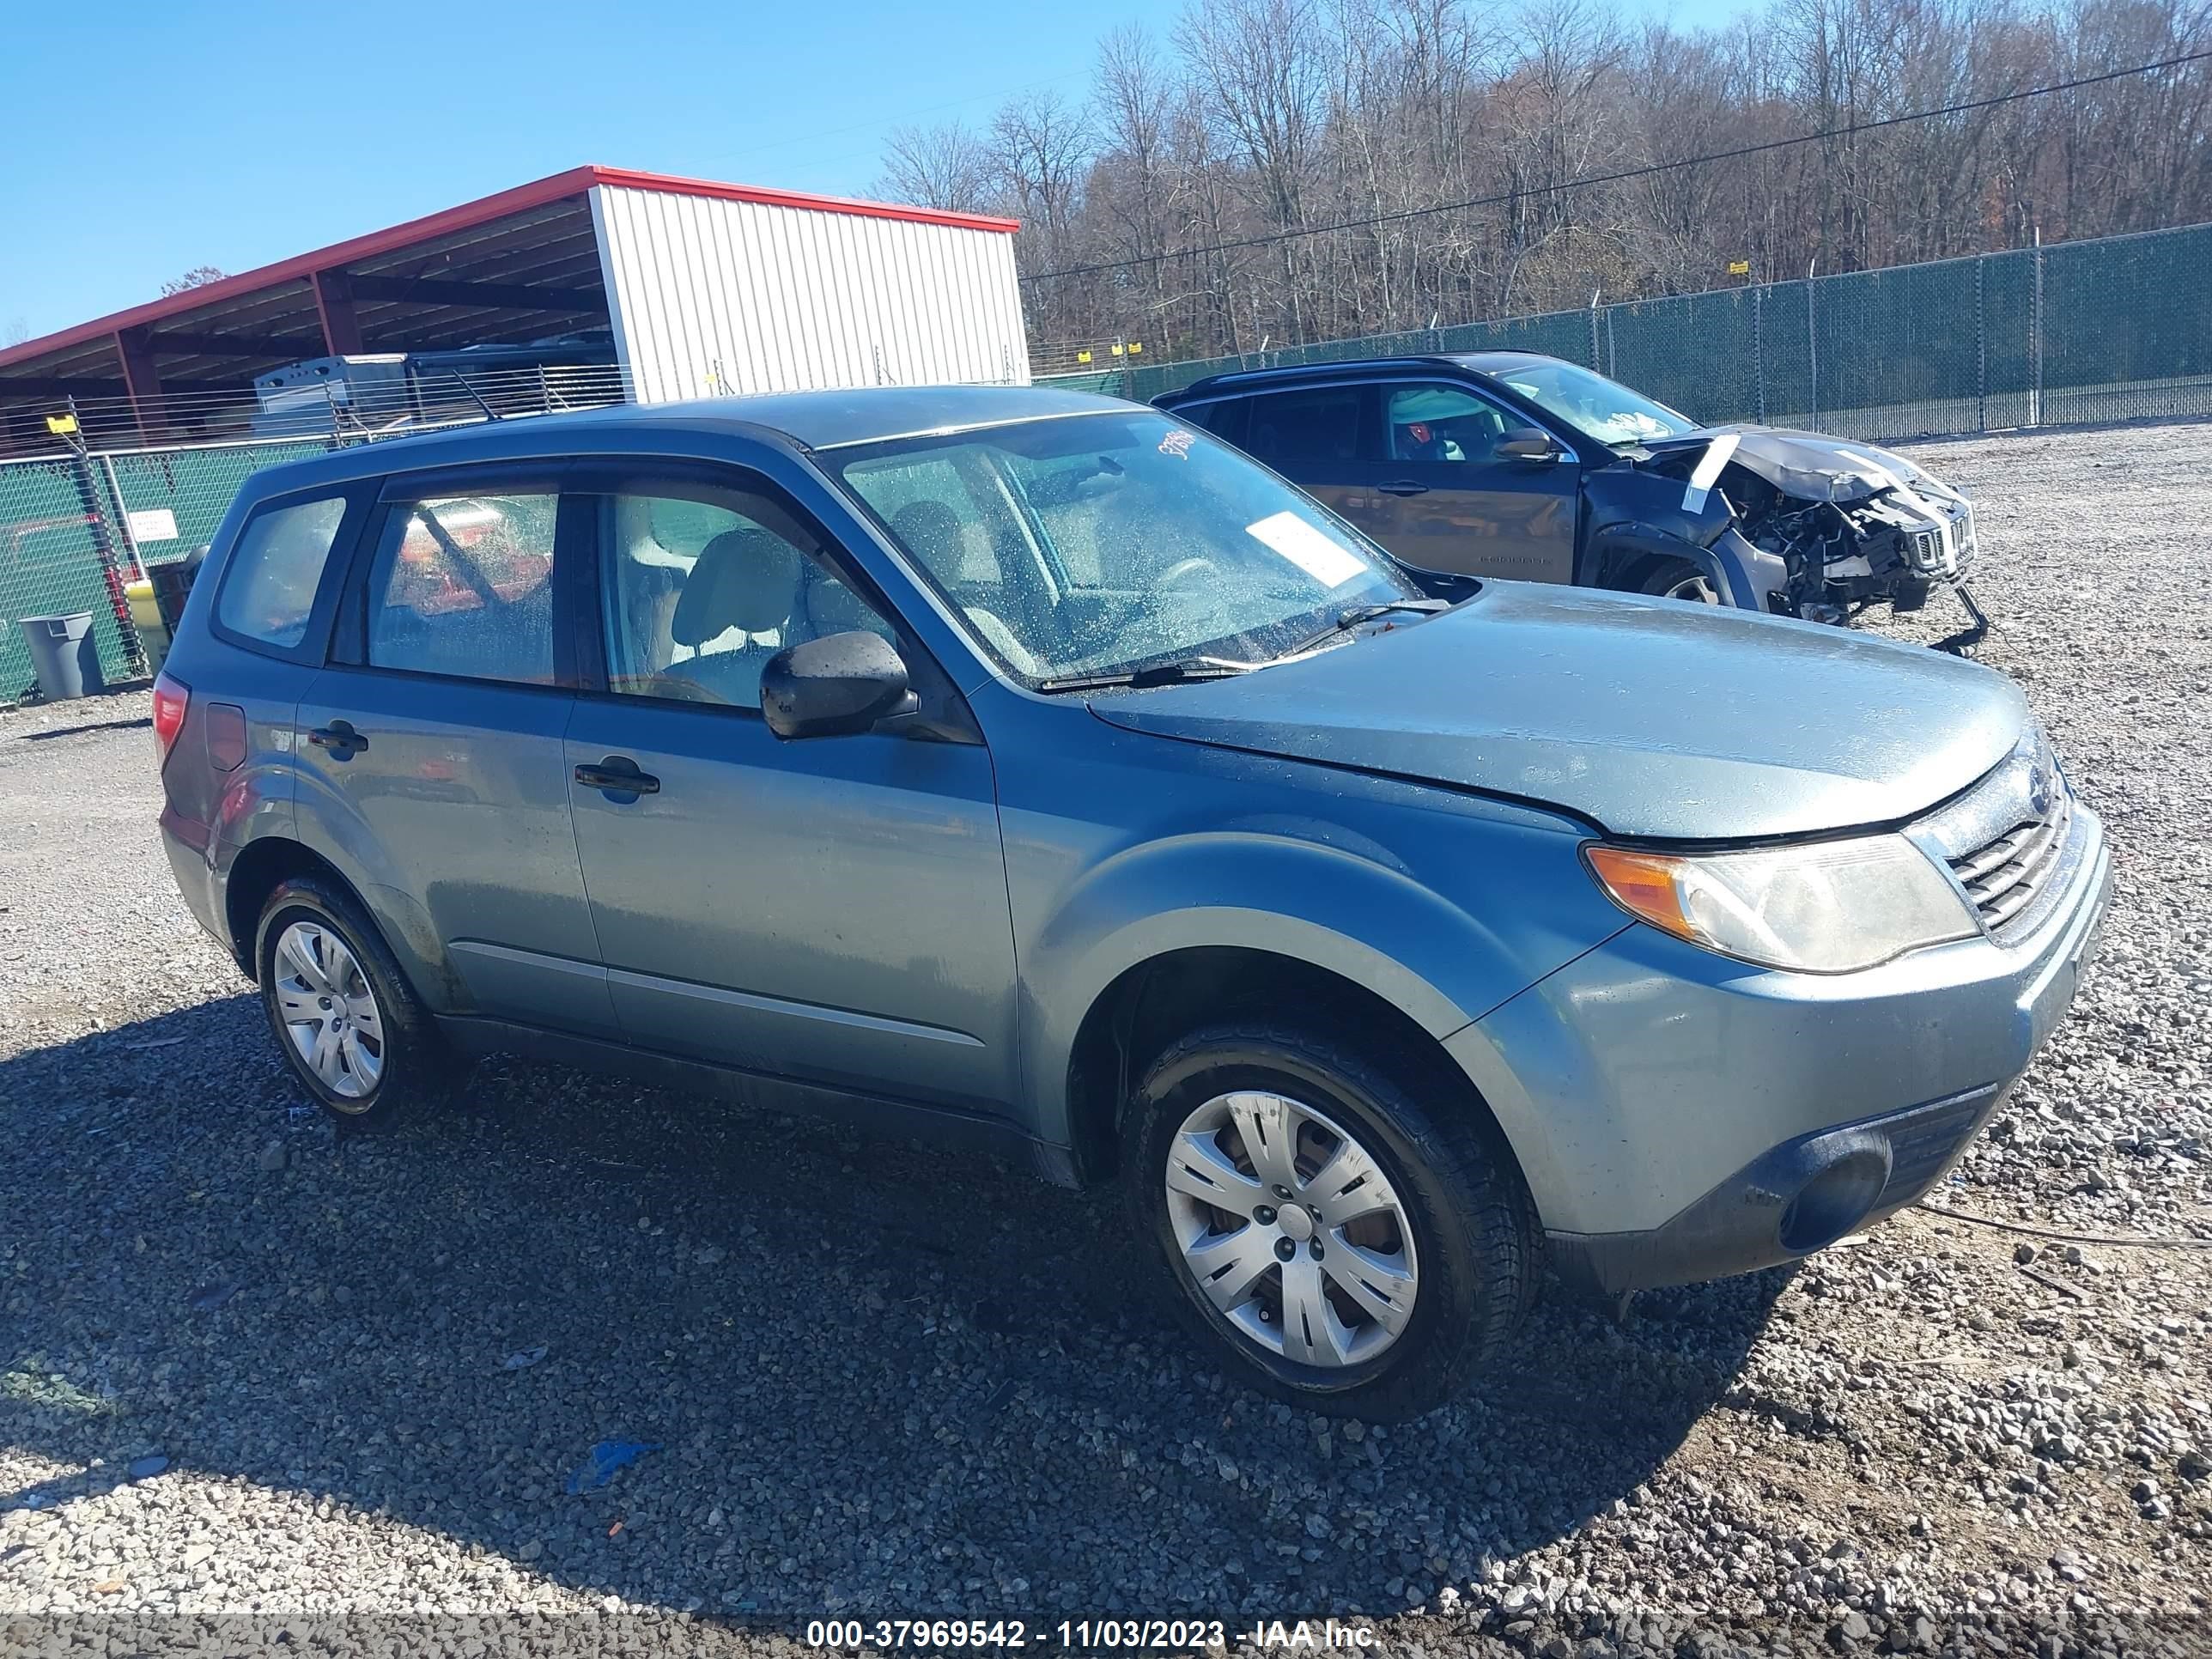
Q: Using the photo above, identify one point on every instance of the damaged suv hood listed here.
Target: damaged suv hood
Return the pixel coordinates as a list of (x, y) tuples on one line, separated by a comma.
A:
[(1806, 466), (1647, 717)]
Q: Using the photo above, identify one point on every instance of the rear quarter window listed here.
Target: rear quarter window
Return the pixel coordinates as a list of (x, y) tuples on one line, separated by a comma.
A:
[(276, 569)]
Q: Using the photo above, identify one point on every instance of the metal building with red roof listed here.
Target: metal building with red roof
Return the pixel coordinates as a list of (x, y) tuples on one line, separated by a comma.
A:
[(707, 288)]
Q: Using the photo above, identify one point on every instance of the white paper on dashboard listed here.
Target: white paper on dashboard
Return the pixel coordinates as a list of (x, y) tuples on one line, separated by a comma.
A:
[(1307, 548)]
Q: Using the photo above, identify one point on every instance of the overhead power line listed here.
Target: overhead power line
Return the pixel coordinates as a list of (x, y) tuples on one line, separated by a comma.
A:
[(1625, 173)]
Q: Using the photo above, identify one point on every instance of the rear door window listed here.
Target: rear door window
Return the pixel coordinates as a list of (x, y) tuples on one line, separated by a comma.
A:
[(462, 586), (1321, 423), (1225, 417), (276, 571)]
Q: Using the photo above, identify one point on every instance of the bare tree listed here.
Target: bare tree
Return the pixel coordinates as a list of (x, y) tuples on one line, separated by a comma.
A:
[(198, 276), (946, 167), (1282, 170)]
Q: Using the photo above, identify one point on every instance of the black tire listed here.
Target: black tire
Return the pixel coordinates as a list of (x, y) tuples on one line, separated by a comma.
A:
[(1662, 578), (1472, 1227), (417, 1064)]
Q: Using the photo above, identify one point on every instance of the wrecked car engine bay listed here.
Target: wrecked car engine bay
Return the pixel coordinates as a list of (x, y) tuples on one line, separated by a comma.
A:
[(1837, 527)]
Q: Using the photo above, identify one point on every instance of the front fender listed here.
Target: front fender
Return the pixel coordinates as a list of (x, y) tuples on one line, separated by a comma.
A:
[(1348, 908), (1741, 574)]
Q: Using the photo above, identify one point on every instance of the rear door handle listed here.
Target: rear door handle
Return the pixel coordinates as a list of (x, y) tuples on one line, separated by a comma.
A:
[(1403, 487), (619, 775), (340, 739)]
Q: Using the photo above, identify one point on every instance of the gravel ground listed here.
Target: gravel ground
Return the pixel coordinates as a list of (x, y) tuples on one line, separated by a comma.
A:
[(253, 1375)]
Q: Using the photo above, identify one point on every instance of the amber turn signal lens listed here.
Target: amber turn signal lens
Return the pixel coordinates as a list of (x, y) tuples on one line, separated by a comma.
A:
[(1644, 885)]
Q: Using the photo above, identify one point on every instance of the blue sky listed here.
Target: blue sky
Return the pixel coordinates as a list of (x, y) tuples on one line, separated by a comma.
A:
[(145, 139)]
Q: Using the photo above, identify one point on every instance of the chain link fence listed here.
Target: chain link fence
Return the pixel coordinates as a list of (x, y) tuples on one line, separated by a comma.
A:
[(77, 523), (2111, 329), (2114, 329), (75, 527)]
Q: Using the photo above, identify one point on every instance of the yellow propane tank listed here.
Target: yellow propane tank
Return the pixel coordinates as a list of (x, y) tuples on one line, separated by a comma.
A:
[(146, 614)]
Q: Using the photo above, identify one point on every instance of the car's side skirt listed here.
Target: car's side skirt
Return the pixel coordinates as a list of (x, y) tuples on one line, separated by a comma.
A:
[(934, 1125)]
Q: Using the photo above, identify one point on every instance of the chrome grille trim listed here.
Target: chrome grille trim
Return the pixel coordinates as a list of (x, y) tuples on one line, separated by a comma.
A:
[(2003, 879)]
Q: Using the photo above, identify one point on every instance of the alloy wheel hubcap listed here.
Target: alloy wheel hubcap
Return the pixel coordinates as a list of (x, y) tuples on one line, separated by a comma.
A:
[(1698, 590), (1291, 1229), (328, 1010)]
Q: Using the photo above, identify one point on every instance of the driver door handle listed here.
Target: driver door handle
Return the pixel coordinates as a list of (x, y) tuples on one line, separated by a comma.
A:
[(618, 774), (1403, 487)]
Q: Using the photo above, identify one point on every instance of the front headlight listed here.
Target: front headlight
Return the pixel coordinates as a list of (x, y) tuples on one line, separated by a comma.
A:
[(1821, 908)]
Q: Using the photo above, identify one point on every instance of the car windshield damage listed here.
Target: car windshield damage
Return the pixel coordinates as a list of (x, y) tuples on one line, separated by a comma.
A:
[(1605, 409), (1117, 548)]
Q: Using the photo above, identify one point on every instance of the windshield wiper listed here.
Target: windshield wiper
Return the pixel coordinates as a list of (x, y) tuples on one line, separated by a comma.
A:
[(1352, 617), (1183, 669)]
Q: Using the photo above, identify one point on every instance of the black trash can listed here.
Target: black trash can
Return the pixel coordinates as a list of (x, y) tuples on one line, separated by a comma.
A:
[(172, 582), (64, 656)]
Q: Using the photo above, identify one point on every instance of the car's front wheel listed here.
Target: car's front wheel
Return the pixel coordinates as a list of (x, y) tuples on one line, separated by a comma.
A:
[(348, 1024), (1339, 1246), (1679, 578)]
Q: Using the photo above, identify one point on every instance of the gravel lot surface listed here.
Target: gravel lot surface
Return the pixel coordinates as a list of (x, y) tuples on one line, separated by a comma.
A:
[(253, 1374)]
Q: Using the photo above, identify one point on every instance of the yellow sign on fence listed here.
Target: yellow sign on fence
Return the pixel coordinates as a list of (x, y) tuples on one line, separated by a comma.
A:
[(1739, 267), (61, 425)]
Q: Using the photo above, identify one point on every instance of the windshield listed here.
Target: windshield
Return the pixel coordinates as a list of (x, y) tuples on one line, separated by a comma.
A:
[(1605, 409), (1102, 544)]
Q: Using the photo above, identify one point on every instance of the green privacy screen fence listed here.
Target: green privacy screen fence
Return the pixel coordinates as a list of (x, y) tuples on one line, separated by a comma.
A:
[(149, 506), (2114, 329), (2111, 329)]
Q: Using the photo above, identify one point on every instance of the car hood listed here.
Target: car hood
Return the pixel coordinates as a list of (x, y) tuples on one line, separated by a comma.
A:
[(1647, 717), (1807, 465)]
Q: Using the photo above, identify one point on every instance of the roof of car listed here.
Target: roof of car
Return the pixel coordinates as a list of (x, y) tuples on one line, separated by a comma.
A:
[(811, 419), (1238, 380)]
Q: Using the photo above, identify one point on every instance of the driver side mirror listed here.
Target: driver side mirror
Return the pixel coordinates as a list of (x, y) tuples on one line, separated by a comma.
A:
[(1526, 443), (839, 684)]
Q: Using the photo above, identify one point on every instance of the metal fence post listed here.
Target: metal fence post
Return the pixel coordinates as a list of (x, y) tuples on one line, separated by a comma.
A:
[(1812, 342), (1758, 350), (1981, 344), (122, 515), (2035, 338), (103, 546), (1593, 323)]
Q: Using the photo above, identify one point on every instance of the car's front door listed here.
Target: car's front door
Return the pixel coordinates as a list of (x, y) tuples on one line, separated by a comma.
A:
[(430, 747), (833, 909), (1438, 494)]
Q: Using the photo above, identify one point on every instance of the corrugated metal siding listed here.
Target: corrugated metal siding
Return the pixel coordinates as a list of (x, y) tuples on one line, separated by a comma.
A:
[(710, 296)]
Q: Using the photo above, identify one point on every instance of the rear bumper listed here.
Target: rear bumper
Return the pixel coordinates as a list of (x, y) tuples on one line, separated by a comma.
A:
[(187, 845), (1680, 1117)]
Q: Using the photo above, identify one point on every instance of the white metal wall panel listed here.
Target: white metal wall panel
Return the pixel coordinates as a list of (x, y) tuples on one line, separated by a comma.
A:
[(710, 296)]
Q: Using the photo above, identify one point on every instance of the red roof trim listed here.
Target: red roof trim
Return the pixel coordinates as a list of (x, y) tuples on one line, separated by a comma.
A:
[(573, 182)]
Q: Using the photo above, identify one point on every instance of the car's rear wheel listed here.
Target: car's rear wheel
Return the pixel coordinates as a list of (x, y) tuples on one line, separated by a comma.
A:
[(348, 1024), (1679, 578), (1337, 1245)]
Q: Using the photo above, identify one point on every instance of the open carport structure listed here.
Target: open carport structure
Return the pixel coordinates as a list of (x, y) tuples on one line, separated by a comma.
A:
[(704, 288)]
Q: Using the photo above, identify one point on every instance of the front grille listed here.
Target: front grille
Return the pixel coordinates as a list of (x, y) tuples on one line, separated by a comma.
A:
[(2004, 877)]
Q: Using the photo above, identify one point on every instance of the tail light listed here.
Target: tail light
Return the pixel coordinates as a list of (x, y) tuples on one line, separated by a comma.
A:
[(171, 698)]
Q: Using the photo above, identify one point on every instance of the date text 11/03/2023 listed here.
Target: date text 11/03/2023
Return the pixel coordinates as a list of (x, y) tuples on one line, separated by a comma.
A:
[(1084, 1635)]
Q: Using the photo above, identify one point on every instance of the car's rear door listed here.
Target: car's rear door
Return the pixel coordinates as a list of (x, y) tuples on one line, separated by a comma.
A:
[(430, 747), (831, 908), (1313, 435), (1438, 494)]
